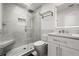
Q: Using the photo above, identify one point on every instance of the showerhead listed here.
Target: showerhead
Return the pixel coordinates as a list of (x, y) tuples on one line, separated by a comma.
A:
[(31, 11)]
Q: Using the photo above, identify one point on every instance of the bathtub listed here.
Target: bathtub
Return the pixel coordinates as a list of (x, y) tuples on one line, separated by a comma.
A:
[(5, 46), (22, 50)]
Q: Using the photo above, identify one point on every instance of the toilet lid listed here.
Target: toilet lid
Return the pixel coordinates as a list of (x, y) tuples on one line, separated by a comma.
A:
[(39, 43)]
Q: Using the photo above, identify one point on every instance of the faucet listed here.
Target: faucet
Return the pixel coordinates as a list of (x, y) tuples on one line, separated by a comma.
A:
[(61, 31)]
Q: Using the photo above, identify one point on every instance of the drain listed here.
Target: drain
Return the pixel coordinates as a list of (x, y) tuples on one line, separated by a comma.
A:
[(24, 48)]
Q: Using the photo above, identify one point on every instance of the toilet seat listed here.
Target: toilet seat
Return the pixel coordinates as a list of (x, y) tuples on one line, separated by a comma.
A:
[(38, 43)]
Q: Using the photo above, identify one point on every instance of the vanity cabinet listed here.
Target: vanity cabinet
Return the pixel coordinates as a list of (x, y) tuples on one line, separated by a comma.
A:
[(53, 46), (69, 52), (62, 46), (53, 49)]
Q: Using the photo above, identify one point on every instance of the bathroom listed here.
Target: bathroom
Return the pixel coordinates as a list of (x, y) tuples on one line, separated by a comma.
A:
[(28, 29)]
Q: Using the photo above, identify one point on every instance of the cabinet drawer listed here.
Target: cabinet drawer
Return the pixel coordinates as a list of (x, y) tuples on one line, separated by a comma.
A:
[(69, 52), (72, 43), (67, 42), (52, 39), (58, 40)]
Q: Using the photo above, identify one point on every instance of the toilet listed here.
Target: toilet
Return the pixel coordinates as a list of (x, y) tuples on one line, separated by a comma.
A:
[(41, 46)]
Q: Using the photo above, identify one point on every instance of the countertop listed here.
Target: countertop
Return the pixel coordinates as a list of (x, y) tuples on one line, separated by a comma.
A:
[(71, 36)]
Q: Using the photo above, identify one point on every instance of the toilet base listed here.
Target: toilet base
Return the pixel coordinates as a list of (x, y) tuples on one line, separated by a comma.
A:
[(41, 49)]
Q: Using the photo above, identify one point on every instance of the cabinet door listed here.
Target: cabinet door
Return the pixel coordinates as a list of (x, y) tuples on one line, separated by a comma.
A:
[(53, 49), (69, 52)]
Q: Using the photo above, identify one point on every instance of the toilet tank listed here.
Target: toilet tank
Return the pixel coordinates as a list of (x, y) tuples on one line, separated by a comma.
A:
[(44, 37)]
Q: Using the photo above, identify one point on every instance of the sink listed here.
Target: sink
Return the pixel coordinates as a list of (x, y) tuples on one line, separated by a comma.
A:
[(5, 43), (61, 33), (76, 35)]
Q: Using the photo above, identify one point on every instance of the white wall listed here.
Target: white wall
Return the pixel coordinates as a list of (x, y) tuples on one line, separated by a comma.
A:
[(14, 29), (47, 24)]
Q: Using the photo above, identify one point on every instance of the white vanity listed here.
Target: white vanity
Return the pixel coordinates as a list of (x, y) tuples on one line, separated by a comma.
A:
[(63, 45)]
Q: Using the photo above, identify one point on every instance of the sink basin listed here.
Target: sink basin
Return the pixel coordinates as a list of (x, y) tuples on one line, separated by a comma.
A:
[(5, 43), (76, 35), (66, 34)]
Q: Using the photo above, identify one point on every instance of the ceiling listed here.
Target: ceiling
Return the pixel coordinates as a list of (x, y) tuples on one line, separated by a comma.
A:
[(31, 6), (66, 5), (34, 6), (59, 6)]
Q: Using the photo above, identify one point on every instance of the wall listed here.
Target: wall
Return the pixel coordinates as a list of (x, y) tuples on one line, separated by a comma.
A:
[(12, 28), (46, 25)]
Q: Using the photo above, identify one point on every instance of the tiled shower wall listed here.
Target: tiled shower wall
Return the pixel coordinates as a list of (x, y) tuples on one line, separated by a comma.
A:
[(0, 20), (13, 29), (0, 16)]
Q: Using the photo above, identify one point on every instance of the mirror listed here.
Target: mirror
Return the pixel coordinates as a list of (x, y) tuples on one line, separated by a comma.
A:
[(68, 15)]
